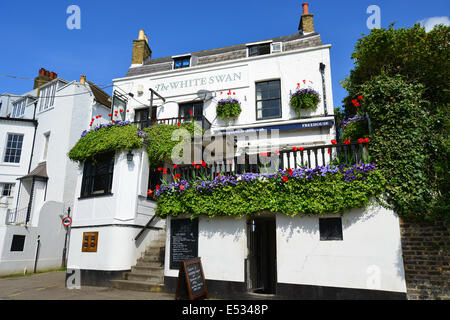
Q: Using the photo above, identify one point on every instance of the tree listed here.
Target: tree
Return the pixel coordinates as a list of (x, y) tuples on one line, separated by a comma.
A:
[(422, 60)]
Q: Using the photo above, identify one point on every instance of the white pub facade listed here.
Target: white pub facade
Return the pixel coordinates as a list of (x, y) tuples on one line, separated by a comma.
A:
[(293, 260)]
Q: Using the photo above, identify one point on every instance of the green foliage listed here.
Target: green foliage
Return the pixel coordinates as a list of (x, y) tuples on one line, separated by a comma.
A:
[(331, 194), (228, 110), (105, 140), (423, 60), (355, 130), (160, 145), (400, 142), (304, 101)]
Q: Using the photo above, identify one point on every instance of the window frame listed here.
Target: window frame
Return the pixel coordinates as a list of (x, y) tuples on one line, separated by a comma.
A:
[(48, 97), (89, 178), (9, 190), (183, 59), (19, 106), (256, 101), (5, 155), (259, 46), (325, 236)]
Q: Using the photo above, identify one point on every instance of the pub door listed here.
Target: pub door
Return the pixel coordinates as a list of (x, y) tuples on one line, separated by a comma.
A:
[(261, 261)]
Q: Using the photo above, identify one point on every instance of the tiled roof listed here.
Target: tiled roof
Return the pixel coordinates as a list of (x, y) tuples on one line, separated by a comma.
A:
[(291, 42)]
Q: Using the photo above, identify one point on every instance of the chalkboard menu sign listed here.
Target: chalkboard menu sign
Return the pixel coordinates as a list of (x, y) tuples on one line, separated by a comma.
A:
[(183, 241), (191, 281)]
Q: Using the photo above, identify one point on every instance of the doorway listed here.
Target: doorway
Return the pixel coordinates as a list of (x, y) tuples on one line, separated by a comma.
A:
[(262, 255)]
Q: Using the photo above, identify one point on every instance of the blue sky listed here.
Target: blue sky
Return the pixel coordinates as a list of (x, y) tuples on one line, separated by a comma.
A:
[(35, 35)]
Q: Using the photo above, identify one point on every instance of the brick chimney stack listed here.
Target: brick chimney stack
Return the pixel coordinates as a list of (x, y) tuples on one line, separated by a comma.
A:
[(141, 49), (307, 20), (44, 77)]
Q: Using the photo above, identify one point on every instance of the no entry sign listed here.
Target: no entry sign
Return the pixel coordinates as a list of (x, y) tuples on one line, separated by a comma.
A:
[(67, 221)]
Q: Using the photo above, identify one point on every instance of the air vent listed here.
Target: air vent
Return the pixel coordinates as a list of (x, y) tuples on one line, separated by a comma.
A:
[(276, 47)]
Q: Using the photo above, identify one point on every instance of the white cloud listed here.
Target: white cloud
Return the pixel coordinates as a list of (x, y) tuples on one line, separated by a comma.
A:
[(429, 23)]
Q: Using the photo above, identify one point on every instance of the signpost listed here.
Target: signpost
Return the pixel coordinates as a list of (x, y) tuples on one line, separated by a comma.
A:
[(191, 281)]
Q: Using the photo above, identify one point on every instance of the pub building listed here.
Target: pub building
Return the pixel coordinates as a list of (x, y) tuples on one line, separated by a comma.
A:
[(117, 240)]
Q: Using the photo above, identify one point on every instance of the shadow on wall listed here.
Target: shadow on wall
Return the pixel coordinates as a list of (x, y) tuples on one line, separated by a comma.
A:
[(228, 227)]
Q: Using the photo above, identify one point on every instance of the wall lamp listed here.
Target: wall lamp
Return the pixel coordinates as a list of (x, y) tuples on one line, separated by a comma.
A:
[(130, 156)]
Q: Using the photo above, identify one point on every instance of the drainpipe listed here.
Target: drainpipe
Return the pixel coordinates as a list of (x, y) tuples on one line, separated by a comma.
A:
[(322, 71), (37, 253)]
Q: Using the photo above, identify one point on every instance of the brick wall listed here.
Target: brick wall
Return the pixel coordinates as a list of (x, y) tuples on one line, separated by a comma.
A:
[(426, 259)]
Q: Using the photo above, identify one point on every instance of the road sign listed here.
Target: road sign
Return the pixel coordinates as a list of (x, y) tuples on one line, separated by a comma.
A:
[(67, 221)]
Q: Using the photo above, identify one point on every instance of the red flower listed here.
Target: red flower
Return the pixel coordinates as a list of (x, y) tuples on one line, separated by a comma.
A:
[(290, 172), (277, 151), (333, 142), (178, 124), (298, 84), (329, 151), (234, 93), (285, 179), (165, 171), (360, 98), (121, 110), (367, 140), (357, 104), (264, 154), (194, 164), (198, 167), (150, 192), (295, 149), (347, 141), (160, 169), (110, 115), (191, 112), (175, 166), (182, 187), (157, 187), (128, 110), (220, 176), (301, 149), (361, 140), (355, 101), (203, 164), (304, 81), (177, 176)]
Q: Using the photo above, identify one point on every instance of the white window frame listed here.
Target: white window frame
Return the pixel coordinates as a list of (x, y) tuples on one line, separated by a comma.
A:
[(6, 148), (47, 97), (19, 108), (11, 189)]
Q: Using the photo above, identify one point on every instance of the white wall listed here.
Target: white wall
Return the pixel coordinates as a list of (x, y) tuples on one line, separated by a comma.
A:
[(371, 248), (52, 236)]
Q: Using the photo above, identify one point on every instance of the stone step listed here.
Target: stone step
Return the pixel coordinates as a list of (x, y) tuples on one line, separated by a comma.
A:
[(155, 264), (137, 286), (150, 258), (143, 277), (157, 271), (153, 250)]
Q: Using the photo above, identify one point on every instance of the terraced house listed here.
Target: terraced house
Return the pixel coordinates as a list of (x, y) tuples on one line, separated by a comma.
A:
[(262, 193)]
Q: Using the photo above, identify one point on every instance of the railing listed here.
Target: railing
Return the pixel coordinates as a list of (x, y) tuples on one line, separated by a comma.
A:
[(311, 157), (173, 121), (18, 217)]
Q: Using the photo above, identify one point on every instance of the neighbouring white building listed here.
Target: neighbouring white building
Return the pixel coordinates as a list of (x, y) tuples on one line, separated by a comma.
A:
[(37, 181), (293, 258)]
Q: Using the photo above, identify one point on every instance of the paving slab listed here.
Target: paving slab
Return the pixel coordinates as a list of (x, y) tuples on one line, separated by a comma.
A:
[(51, 286)]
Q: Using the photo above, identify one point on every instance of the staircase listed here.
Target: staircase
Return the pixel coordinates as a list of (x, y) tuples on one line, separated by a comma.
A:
[(148, 274)]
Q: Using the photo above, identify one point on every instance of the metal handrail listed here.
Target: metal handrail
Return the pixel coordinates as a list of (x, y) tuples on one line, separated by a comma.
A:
[(147, 226)]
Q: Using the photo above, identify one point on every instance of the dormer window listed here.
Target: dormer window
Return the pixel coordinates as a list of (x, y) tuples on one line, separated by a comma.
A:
[(259, 49), (19, 108), (47, 97), (182, 62)]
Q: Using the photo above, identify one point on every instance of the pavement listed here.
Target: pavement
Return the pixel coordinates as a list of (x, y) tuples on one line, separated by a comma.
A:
[(51, 286)]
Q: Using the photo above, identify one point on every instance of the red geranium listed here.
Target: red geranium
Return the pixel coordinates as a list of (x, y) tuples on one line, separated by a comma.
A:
[(302, 149), (150, 192), (165, 171), (360, 98), (175, 166), (182, 187), (285, 179), (333, 142), (177, 176), (160, 169), (290, 172), (367, 140), (295, 149), (361, 140)]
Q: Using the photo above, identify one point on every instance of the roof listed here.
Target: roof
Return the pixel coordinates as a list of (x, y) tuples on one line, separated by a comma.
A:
[(290, 42), (100, 96), (40, 172)]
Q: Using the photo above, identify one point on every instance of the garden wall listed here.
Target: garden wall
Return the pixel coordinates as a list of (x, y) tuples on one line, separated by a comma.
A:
[(426, 259)]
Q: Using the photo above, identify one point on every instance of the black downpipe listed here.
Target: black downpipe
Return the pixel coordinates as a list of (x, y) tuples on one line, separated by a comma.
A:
[(37, 253)]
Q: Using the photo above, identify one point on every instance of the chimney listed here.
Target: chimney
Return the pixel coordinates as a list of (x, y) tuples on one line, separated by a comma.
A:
[(307, 20), (44, 77), (141, 49), (83, 80)]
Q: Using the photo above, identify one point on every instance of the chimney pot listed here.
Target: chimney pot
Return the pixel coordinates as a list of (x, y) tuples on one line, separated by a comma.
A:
[(83, 79), (305, 8)]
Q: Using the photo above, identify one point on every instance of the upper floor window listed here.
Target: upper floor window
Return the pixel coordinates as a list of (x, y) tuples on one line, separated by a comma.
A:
[(182, 62), (268, 100), (259, 49), (98, 176), (6, 189), (47, 97), (19, 108), (13, 148)]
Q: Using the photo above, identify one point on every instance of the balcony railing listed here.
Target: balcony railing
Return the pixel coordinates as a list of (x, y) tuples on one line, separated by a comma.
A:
[(311, 157), (173, 121), (17, 217)]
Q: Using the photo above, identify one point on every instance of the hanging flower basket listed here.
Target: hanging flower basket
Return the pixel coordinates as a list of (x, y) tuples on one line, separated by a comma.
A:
[(304, 99), (229, 108)]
